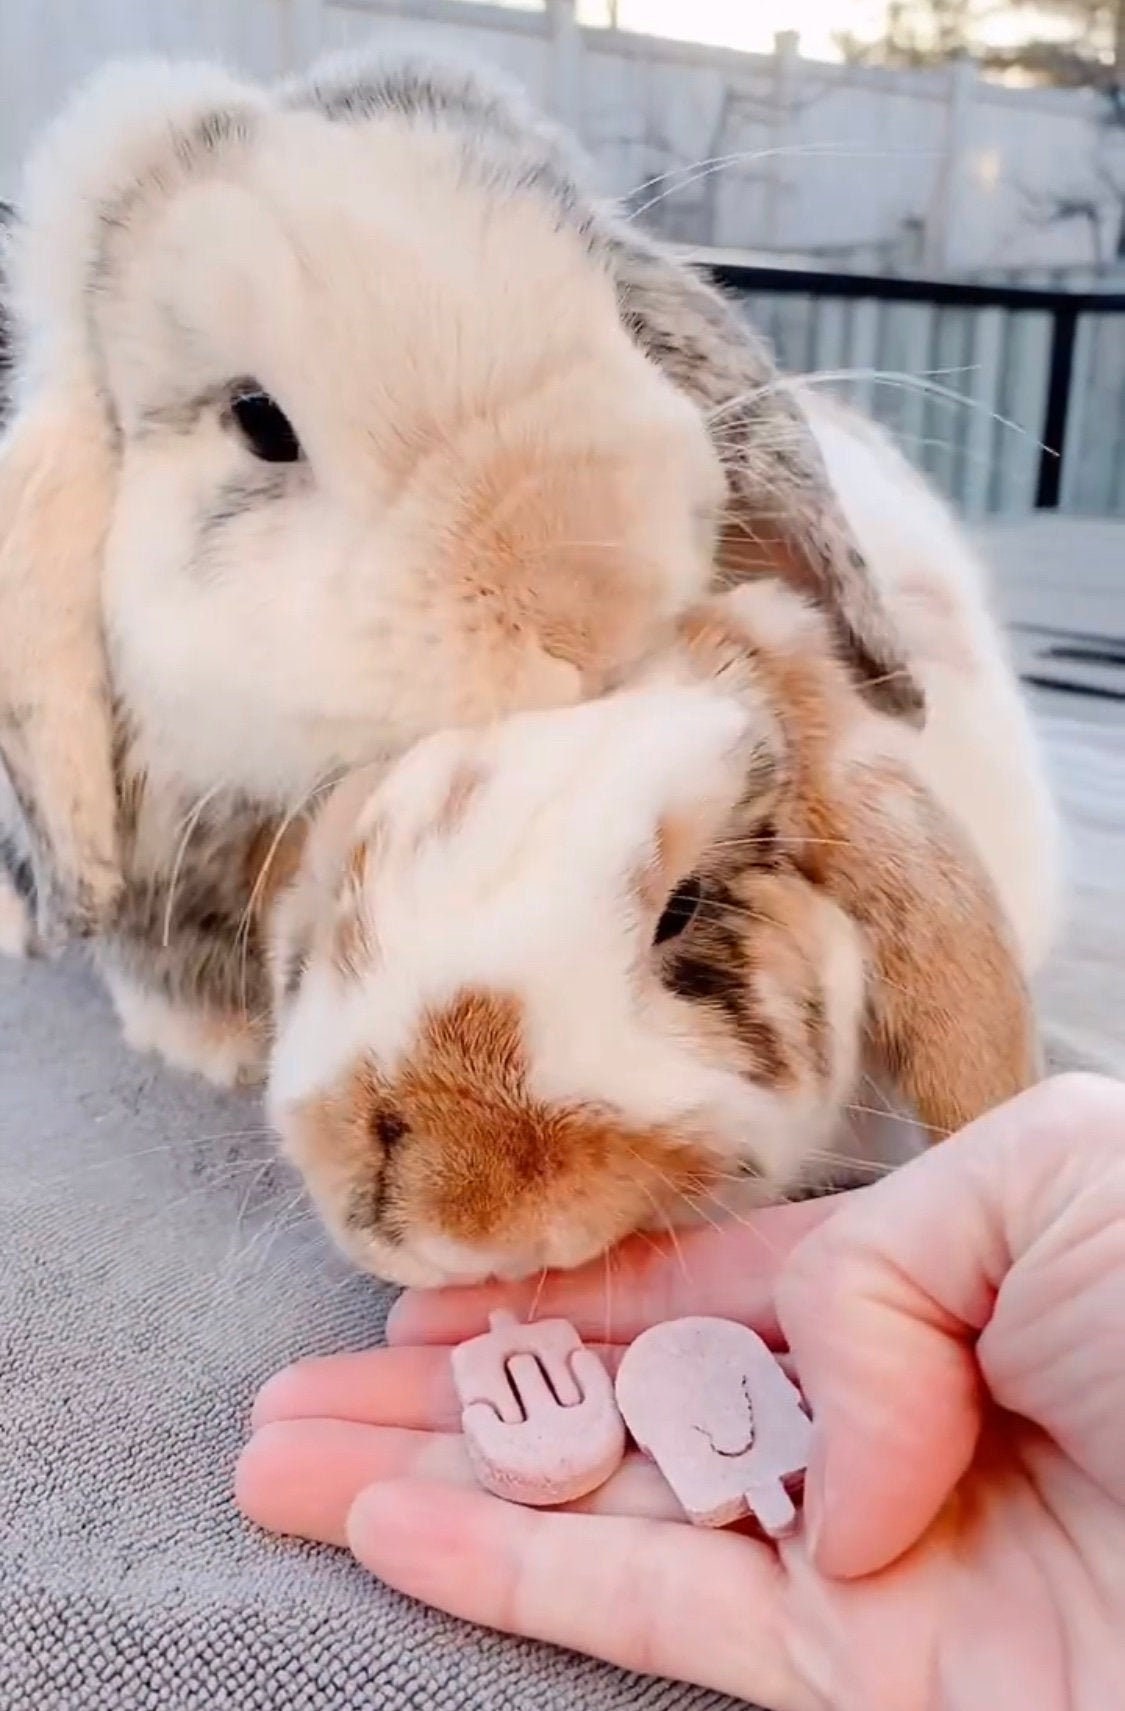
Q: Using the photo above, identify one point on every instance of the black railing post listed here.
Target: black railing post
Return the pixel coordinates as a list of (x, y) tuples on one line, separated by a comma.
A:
[(1059, 384), (1064, 308)]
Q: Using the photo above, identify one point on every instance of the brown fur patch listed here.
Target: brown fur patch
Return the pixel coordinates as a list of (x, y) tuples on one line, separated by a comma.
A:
[(475, 1156), (950, 1012), (950, 1009), (544, 561), (754, 959)]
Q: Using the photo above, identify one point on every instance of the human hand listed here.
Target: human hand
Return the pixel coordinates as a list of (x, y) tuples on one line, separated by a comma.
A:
[(959, 1331)]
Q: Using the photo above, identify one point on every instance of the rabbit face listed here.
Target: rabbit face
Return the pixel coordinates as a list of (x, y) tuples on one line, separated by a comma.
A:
[(389, 459), (604, 966), (511, 1028), (342, 411)]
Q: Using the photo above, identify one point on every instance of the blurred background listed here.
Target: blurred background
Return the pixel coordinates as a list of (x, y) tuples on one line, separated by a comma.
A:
[(929, 190), (926, 197)]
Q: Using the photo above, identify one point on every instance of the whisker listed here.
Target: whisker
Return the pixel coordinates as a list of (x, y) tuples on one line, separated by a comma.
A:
[(872, 1167), (879, 377), (734, 1217), (878, 1092), (190, 824), (688, 175), (124, 1159), (887, 1111), (661, 1212), (793, 840), (535, 1299), (709, 909), (242, 936)]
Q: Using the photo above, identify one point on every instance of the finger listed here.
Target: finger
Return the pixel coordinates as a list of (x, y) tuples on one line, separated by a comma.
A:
[(301, 1477), (411, 1387), (647, 1595), (895, 1308), (728, 1271)]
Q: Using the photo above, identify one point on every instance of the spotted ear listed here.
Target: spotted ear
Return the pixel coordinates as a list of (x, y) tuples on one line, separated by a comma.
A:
[(127, 139), (56, 726), (949, 1009), (784, 518)]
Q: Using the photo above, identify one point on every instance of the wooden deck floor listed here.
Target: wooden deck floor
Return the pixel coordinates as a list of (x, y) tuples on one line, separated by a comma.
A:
[(1061, 587)]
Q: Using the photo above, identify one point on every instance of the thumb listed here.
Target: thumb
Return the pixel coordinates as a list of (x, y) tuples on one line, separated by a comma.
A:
[(884, 1304)]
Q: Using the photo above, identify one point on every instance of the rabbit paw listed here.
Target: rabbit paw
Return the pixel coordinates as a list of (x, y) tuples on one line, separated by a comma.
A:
[(226, 1048)]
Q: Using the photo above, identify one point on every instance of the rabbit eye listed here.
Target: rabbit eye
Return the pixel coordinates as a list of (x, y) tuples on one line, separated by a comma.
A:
[(679, 911), (265, 427)]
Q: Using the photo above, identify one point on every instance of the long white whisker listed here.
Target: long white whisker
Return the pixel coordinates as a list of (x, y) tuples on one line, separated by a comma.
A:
[(190, 824), (887, 377), (242, 938), (688, 175)]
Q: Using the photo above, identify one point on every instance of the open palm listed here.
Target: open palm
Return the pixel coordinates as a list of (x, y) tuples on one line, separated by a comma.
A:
[(959, 1331)]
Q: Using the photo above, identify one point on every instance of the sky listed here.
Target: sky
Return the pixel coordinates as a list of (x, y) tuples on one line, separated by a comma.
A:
[(747, 24), (753, 24)]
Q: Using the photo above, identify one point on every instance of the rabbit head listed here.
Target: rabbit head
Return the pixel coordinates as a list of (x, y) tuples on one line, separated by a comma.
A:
[(581, 972), (339, 416)]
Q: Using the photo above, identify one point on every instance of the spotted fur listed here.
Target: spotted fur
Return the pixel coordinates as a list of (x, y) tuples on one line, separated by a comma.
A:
[(115, 375), (559, 1067)]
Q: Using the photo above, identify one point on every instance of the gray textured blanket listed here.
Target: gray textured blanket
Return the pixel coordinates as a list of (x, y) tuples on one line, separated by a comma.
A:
[(155, 1266)]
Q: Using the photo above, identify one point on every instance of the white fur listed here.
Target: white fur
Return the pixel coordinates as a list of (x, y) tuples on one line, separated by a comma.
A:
[(363, 278), (534, 895), (223, 1050), (421, 331)]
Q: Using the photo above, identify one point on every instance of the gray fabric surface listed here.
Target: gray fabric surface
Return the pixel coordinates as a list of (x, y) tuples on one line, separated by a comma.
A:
[(154, 1268)]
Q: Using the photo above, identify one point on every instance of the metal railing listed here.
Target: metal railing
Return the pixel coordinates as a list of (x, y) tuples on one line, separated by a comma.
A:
[(1011, 397)]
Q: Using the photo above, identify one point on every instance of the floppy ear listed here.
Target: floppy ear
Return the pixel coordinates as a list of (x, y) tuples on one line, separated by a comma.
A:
[(134, 129), (949, 1009), (784, 516), (948, 1006), (56, 732)]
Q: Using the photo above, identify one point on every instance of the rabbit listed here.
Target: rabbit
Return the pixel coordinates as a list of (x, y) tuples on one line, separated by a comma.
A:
[(545, 983), (341, 412)]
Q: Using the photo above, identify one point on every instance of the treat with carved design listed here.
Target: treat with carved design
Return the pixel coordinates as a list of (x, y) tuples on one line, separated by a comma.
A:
[(538, 1412), (708, 1402)]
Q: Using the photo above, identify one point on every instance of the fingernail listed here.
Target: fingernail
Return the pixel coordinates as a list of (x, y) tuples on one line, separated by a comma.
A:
[(364, 1513), (399, 1310), (274, 1399)]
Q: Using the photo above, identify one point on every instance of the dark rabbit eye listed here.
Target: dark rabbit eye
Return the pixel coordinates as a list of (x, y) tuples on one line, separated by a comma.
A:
[(265, 427), (679, 911)]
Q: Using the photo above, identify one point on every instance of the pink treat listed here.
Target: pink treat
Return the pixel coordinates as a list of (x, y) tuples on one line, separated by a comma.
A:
[(537, 1410), (708, 1402)]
